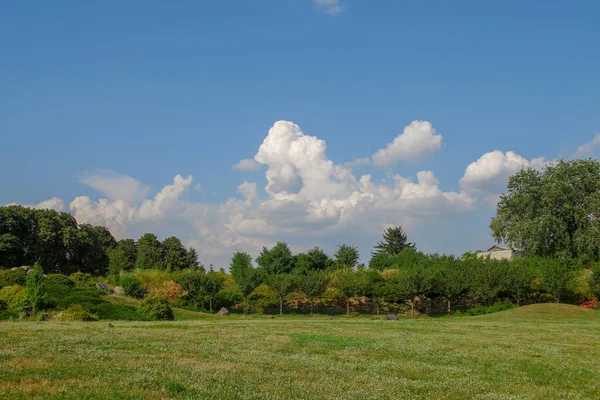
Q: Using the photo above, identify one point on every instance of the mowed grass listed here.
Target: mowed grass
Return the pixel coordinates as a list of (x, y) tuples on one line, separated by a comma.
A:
[(544, 351)]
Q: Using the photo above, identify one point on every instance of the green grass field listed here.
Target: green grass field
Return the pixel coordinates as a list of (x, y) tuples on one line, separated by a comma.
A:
[(545, 351)]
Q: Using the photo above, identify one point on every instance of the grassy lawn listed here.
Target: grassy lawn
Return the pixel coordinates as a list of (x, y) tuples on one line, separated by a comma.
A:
[(537, 352)]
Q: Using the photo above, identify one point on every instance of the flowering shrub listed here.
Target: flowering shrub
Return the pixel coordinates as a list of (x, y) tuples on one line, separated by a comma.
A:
[(589, 302)]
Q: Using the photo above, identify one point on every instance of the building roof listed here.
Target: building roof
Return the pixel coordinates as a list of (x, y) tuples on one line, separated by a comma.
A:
[(498, 248)]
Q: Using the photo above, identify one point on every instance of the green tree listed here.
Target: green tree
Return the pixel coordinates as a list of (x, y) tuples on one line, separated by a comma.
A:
[(117, 262), (150, 253), (33, 288), (192, 259), (554, 212), (282, 285), (193, 281), (556, 277), (278, 260), (454, 280), (313, 285), (129, 248), (245, 275), (213, 283), (176, 256), (519, 278), (346, 256), (313, 260), (350, 283), (394, 241), (488, 279)]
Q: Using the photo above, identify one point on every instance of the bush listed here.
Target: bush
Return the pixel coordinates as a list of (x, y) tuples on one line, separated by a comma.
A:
[(156, 309), (131, 286), (57, 279), (15, 277), (87, 297), (76, 312), (14, 297), (118, 312), (496, 307), (82, 279)]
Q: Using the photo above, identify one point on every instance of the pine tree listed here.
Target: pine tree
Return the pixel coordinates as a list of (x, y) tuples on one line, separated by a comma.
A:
[(394, 241)]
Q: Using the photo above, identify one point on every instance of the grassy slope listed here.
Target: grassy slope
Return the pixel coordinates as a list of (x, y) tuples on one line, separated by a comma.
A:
[(537, 352)]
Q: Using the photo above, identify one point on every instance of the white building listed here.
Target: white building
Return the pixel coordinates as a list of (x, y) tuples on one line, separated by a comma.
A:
[(500, 253)]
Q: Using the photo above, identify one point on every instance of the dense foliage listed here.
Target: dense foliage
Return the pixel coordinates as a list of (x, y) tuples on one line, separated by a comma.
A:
[(554, 212)]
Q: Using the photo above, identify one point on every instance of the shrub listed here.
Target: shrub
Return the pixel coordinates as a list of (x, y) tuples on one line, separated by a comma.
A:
[(57, 279), (156, 309), (131, 286), (118, 312), (496, 307), (82, 279), (14, 297), (87, 297), (590, 302), (76, 312), (15, 277)]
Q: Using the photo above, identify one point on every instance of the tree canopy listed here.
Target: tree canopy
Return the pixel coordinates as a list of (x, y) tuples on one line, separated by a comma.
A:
[(394, 241), (553, 212)]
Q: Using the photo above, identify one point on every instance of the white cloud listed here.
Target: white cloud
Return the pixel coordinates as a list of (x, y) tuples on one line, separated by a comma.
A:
[(588, 148), (489, 174), (164, 200), (332, 7), (116, 186), (247, 164), (54, 203), (309, 200), (248, 190), (417, 142)]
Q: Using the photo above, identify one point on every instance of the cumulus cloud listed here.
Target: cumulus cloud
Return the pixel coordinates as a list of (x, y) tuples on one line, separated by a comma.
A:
[(164, 200), (247, 164), (51, 204), (489, 174), (418, 141), (308, 199), (588, 148), (116, 186), (331, 7)]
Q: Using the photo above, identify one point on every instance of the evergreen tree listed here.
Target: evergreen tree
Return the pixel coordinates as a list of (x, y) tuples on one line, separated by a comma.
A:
[(394, 241)]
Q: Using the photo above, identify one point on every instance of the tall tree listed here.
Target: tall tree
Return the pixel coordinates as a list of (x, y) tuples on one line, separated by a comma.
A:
[(213, 283), (394, 241), (129, 249), (33, 288), (192, 259), (553, 212), (150, 253), (278, 260), (346, 256), (245, 275), (176, 256)]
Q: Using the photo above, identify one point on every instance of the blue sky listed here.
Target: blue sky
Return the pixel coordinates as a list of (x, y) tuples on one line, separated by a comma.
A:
[(106, 103)]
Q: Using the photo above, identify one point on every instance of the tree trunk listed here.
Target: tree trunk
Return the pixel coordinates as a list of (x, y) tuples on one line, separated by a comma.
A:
[(210, 303), (311, 306), (280, 305), (245, 304), (449, 308), (377, 308), (412, 307), (348, 306)]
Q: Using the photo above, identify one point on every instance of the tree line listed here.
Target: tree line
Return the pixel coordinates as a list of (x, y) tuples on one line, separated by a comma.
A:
[(60, 245), (551, 215)]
